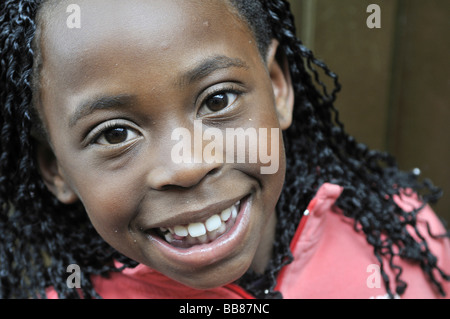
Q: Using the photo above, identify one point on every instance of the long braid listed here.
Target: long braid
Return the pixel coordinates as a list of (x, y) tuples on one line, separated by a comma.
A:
[(301, 178), (52, 235)]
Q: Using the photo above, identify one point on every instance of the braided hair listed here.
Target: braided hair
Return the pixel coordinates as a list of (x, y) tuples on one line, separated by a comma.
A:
[(40, 236)]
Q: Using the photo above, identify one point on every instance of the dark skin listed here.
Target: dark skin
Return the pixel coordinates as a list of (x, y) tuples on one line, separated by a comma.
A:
[(115, 157)]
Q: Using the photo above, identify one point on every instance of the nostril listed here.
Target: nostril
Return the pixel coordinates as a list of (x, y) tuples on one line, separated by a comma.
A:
[(214, 171), (167, 187)]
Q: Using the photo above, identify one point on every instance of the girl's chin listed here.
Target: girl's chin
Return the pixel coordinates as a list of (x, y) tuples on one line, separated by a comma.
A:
[(213, 278)]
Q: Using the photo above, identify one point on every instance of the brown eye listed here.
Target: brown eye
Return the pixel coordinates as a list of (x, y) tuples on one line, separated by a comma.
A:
[(220, 101), (116, 135)]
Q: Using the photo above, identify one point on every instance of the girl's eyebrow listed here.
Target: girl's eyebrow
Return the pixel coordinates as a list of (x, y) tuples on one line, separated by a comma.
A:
[(208, 66), (198, 72), (100, 103)]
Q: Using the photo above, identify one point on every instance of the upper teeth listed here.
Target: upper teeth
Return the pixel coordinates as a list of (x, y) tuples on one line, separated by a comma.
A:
[(198, 229)]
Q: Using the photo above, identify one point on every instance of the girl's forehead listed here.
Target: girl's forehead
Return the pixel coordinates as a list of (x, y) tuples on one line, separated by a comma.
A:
[(67, 27), (139, 26)]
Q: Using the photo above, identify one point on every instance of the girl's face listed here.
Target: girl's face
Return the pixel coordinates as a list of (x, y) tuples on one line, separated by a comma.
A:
[(114, 91)]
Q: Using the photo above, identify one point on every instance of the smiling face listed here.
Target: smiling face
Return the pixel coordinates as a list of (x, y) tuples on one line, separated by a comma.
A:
[(112, 94)]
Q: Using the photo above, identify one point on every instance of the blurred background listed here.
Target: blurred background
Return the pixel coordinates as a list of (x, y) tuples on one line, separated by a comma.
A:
[(395, 79)]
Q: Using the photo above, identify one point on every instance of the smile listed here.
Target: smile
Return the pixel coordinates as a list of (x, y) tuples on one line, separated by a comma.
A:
[(205, 240), (201, 232)]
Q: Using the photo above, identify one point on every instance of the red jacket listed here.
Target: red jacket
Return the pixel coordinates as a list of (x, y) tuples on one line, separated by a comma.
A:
[(331, 260)]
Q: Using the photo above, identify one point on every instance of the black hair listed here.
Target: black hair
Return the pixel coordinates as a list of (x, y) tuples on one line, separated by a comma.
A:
[(40, 236)]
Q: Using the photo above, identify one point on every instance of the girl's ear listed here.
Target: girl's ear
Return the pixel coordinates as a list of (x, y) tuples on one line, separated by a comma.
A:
[(278, 68), (51, 173)]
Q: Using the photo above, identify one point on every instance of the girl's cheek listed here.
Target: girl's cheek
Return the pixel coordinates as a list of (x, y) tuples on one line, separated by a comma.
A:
[(108, 208)]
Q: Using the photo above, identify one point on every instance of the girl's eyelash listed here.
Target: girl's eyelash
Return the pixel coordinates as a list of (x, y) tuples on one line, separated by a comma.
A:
[(99, 130), (222, 90), (229, 89)]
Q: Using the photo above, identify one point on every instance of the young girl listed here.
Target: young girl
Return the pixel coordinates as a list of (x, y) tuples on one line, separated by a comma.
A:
[(88, 176)]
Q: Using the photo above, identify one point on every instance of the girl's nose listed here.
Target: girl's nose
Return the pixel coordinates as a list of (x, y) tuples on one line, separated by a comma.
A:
[(179, 175), (169, 169)]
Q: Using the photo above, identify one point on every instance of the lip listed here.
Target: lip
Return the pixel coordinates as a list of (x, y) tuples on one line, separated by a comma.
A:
[(206, 254)]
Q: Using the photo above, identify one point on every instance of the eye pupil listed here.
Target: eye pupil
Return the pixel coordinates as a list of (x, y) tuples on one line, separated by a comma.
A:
[(217, 102), (116, 135)]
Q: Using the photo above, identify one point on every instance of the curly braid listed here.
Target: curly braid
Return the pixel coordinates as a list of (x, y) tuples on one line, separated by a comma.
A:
[(40, 236)]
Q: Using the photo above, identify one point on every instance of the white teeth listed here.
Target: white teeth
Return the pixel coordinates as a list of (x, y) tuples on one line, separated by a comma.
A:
[(197, 232), (222, 228), (225, 214), (213, 222), (234, 211), (180, 231), (196, 229), (168, 237)]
